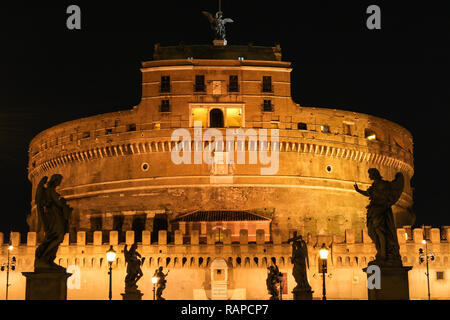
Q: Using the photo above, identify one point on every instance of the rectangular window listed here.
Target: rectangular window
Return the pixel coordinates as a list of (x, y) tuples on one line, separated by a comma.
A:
[(165, 106), (200, 114), (347, 129), (325, 128), (131, 127), (234, 117), (86, 134), (267, 84), (199, 83), (439, 275), (302, 126), (267, 106), (233, 85), (165, 83), (108, 131)]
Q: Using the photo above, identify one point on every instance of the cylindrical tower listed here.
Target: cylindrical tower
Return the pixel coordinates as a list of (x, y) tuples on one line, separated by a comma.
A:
[(119, 169)]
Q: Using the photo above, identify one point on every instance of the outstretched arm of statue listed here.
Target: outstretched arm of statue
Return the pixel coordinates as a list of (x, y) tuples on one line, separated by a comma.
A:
[(364, 193)]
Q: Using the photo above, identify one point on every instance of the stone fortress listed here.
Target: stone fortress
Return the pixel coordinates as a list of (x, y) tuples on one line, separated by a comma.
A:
[(218, 226)]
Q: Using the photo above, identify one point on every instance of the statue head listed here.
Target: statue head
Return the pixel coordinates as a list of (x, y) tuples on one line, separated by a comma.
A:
[(133, 247), (374, 174), (55, 180), (218, 14), (160, 269)]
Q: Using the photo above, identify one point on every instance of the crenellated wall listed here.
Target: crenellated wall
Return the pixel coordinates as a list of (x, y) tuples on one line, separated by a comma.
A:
[(190, 263)]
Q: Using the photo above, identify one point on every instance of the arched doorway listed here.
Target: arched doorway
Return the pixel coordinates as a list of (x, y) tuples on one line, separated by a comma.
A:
[(216, 118)]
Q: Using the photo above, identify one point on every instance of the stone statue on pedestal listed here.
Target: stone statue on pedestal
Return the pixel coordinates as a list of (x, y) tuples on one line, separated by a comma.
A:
[(134, 271), (273, 282), (380, 220), (161, 285), (300, 261), (53, 215)]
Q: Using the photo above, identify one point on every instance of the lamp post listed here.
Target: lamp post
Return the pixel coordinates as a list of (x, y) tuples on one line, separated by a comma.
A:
[(154, 281), (425, 257), (110, 256), (10, 264), (323, 253)]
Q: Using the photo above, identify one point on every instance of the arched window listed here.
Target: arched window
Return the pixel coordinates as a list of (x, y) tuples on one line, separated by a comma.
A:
[(216, 118)]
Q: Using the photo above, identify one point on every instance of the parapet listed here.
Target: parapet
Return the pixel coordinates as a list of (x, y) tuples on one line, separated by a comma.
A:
[(404, 235)]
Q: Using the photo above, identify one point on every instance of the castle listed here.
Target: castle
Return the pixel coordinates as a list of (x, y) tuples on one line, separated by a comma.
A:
[(197, 217)]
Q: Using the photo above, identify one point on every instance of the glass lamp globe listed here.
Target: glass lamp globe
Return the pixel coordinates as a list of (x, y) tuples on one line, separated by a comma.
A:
[(323, 252), (110, 255)]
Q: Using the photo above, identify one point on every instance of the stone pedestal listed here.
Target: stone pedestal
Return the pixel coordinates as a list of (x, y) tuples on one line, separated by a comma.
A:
[(302, 294), (219, 43), (46, 285), (393, 284), (133, 295)]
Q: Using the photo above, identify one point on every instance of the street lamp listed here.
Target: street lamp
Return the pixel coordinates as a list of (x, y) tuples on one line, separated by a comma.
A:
[(110, 256), (323, 253), (425, 257), (154, 281), (9, 264)]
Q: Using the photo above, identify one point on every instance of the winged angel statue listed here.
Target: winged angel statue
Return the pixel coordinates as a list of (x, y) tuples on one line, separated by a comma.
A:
[(380, 219), (217, 24), (53, 214)]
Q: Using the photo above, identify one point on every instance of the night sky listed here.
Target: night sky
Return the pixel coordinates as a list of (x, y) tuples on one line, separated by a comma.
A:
[(49, 74)]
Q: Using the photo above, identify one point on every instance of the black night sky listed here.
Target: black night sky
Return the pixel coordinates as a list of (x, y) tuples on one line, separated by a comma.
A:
[(49, 74)]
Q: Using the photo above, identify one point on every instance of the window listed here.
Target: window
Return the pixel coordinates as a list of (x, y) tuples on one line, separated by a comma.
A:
[(370, 134), (439, 275), (325, 128), (131, 127), (268, 106), (157, 126), (302, 126), (347, 129), (86, 134), (165, 106), (108, 131), (233, 85), (274, 124), (267, 84), (200, 83), (165, 84)]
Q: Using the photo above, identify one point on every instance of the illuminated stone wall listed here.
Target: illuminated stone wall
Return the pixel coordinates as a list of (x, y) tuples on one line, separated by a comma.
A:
[(191, 264)]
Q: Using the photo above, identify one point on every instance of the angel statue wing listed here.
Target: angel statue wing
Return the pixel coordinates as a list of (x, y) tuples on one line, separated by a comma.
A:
[(227, 20), (396, 187), (209, 16), (39, 200)]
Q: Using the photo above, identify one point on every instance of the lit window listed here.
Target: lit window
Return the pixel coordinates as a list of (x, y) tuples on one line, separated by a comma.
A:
[(325, 128), (200, 114), (234, 117), (274, 124), (370, 134), (157, 126)]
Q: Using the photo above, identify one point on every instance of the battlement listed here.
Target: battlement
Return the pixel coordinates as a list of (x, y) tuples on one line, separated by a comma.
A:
[(223, 237)]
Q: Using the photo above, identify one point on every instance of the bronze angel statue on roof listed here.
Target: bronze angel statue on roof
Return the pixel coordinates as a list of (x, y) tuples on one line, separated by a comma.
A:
[(380, 219), (217, 24)]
